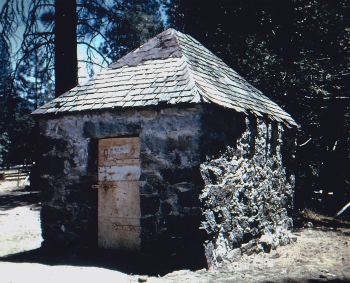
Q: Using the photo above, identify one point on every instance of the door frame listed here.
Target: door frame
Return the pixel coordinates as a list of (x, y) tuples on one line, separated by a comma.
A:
[(95, 144)]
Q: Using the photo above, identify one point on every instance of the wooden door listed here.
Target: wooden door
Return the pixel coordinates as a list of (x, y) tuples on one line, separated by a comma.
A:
[(118, 193)]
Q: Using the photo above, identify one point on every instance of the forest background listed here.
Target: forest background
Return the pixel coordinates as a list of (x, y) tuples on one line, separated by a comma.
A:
[(297, 52)]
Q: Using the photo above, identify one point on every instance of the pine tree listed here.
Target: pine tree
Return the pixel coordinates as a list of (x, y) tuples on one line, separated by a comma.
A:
[(5, 98), (135, 22), (297, 53)]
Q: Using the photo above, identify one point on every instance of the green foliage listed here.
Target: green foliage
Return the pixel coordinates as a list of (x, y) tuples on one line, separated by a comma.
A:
[(15, 122), (5, 88), (135, 22), (4, 145), (297, 53), (107, 29)]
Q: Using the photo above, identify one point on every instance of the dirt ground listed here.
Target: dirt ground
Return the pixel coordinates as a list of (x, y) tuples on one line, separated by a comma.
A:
[(321, 253), (19, 219)]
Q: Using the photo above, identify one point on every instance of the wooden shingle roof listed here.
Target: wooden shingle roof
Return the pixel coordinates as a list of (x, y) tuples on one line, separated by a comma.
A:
[(170, 68)]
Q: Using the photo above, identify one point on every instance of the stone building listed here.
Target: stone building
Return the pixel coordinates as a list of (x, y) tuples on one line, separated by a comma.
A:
[(167, 150)]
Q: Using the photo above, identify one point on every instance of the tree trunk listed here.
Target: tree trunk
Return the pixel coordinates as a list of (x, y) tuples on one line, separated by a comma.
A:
[(66, 63)]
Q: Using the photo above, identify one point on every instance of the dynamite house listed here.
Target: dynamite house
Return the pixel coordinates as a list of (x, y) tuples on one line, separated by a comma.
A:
[(167, 150)]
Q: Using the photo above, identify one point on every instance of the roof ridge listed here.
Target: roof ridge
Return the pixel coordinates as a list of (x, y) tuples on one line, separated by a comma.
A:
[(197, 92), (171, 67), (162, 47), (226, 100), (201, 91)]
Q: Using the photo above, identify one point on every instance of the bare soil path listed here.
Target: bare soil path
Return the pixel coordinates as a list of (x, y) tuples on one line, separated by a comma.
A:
[(19, 218), (320, 254)]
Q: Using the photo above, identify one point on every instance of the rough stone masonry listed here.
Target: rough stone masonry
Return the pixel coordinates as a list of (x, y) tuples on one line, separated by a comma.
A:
[(210, 177), (248, 196), (170, 180), (213, 172)]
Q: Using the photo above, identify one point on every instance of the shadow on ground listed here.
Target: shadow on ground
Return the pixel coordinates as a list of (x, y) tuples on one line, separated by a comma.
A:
[(127, 262), (132, 264), (309, 281), (120, 261), (324, 222), (18, 198)]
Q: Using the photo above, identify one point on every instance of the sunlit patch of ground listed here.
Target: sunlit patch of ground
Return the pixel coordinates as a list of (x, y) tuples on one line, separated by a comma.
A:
[(321, 253), (8, 186), (40, 273), (19, 218), (19, 229), (318, 255)]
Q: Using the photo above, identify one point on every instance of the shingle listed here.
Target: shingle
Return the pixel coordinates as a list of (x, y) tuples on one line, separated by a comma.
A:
[(139, 103), (96, 105), (39, 111), (172, 68), (128, 103)]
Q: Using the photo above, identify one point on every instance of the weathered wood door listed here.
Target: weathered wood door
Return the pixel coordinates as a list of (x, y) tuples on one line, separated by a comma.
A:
[(118, 193)]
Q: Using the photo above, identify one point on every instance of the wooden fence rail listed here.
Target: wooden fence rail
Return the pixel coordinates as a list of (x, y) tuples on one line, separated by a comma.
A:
[(14, 173)]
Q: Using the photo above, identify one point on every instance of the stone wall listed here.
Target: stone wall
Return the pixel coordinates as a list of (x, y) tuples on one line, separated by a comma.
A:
[(248, 196), (201, 167), (170, 178)]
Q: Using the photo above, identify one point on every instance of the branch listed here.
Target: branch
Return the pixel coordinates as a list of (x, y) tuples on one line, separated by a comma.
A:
[(305, 143), (27, 53), (45, 5), (94, 30), (41, 33), (345, 207), (91, 62), (93, 7), (327, 97), (95, 49)]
